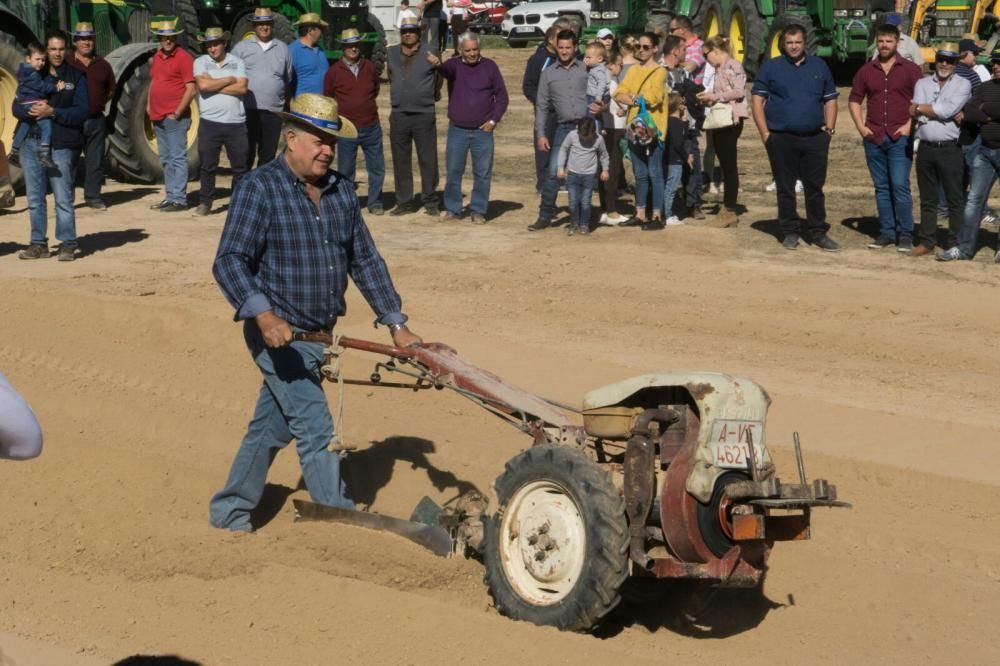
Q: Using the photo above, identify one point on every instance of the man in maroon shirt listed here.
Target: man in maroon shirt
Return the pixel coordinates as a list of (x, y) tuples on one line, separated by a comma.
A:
[(887, 82), (352, 81), (100, 87), (171, 89)]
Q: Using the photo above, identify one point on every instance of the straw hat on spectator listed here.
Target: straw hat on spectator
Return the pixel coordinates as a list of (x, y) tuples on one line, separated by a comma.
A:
[(319, 114)]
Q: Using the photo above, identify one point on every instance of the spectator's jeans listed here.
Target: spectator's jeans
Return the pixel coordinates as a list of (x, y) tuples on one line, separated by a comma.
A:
[(674, 175), (542, 157), (431, 33), (800, 158), (95, 131), (550, 188), (580, 187), (370, 141), (939, 165), (984, 172), (461, 142), (693, 181), (889, 165), (406, 131), (38, 180), (44, 126), (263, 132), (212, 136), (647, 167), (171, 143), (608, 190), (291, 404)]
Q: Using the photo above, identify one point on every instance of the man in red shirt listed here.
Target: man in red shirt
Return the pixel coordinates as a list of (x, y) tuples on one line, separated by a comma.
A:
[(352, 81), (171, 90), (887, 82), (100, 88)]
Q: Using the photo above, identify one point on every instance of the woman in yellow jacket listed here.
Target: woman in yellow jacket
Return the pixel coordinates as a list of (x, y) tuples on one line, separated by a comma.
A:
[(648, 80)]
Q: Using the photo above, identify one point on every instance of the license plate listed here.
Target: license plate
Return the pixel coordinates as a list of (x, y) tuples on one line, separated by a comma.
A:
[(524, 28), (731, 441)]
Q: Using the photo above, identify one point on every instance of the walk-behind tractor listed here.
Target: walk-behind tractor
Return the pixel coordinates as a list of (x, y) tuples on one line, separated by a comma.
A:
[(659, 476)]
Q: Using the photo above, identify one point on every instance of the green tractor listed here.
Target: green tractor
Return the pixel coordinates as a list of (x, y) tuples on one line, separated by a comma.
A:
[(123, 39), (195, 15), (838, 30)]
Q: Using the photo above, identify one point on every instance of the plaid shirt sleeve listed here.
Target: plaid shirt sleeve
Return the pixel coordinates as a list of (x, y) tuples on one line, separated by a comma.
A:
[(240, 249), (371, 275)]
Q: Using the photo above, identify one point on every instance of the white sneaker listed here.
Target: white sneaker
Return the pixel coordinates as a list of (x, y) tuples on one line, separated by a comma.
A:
[(772, 187), (612, 221), (673, 221), (604, 218), (721, 188), (798, 186), (712, 189)]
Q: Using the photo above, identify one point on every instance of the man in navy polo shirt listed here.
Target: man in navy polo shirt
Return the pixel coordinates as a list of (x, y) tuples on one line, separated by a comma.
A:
[(795, 110)]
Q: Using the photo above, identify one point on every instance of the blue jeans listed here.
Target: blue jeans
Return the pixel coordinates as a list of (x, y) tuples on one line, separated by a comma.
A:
[(647, 167), (580, 187), (675, 172), (44, 126), (370, 141), (889, 165), (983, 173), (461, 142), (171, 143), (291, 404), (693, 182), (550, 188), (38, 180)]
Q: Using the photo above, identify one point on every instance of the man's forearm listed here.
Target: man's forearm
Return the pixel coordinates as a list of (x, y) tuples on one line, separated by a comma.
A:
[(855, 109), (830, 113), (757, 109), (186, 100)]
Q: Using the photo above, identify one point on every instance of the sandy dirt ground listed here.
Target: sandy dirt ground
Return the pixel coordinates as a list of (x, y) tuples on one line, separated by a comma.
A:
[(886, 365)]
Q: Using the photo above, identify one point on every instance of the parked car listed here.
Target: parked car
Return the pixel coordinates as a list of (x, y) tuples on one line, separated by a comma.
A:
[(526, 23), (487, 17)]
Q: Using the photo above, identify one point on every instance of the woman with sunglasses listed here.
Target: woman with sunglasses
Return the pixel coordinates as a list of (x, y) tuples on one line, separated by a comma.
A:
[(647, 80), (729, 86)]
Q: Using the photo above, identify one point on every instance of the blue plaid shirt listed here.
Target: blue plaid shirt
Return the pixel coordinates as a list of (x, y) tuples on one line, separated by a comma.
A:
[(277, 252)]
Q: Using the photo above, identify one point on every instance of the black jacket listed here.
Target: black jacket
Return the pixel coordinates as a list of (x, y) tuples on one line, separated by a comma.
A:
[(533, 71), (71, 105)]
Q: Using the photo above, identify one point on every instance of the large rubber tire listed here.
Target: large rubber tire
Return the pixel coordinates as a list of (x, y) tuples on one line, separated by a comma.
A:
[(709, 21), (132, 145), (555, 550), (138, 25), (380, 49), (709, 525), (243, 28), (10, 57), (748, 33), (773, 47), (659, 21), (187, 18)]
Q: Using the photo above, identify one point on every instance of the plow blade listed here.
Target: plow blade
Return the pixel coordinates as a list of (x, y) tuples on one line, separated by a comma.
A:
[(433, 538)]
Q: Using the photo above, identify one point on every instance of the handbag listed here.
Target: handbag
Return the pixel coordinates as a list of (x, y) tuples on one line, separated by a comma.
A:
[(719, 115)]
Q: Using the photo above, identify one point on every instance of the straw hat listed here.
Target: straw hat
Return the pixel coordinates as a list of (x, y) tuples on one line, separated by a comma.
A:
[(316, 112), (948, 50), (350, 36), (83, 29), (165, 28), (409, 23), (311, 18), (262, 15), (214, 34)]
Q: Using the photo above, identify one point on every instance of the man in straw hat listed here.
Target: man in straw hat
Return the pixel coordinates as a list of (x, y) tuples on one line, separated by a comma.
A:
[(309, 62), (171, 89), (937, 99), (100, 89), (414, 86), (352, 81), (293, 235), (222, 81), (269, 76)]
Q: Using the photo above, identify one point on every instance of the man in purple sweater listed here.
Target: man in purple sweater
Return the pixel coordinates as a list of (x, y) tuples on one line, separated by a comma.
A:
[(477, 100)]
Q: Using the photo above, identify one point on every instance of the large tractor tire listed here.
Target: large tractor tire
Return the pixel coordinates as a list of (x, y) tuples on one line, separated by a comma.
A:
[(709, 21), (132, 146), (380, 49), (555, 550), (747, 34), (10, 57), (138, 25), (774, 46), (187, 18), (659, 21), (243, 29)]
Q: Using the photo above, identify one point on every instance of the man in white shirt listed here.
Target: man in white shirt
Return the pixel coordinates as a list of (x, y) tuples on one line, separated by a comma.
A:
[(405, 13), (221, 79)]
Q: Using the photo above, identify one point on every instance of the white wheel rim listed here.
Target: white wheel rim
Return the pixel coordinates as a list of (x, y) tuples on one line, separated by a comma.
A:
[(543, 543)]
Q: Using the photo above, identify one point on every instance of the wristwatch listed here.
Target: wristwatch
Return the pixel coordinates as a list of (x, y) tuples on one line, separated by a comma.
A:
[(396, 328), (830, 130)]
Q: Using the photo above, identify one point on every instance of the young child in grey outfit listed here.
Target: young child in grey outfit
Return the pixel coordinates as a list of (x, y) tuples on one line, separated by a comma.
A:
[(580, 155), (598, 77)]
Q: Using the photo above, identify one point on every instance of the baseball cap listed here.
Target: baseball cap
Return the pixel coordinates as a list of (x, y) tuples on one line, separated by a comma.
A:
[(604, 32), (893, 19), (965, 45)]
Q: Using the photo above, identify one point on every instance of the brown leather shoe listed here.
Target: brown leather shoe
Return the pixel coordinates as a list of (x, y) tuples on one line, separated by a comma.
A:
[(724, 219), (921, 251)]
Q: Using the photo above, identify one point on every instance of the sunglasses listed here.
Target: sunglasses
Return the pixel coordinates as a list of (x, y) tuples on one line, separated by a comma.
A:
[(945, 61), (646, 47)]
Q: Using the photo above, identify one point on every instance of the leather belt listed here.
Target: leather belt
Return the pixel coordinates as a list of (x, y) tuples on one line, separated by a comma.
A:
[(313, 336), (939, 144)]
